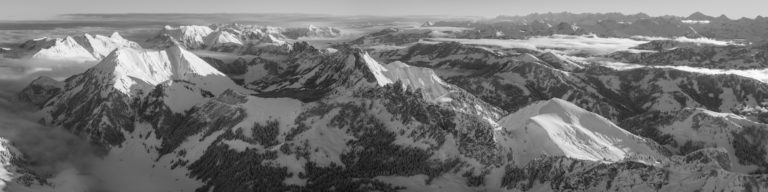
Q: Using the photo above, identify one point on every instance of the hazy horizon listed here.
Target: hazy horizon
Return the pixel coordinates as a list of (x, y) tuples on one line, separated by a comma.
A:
[(32, 9)]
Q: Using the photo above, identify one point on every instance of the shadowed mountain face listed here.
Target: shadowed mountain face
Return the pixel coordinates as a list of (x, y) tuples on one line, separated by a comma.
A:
[(527, 103)]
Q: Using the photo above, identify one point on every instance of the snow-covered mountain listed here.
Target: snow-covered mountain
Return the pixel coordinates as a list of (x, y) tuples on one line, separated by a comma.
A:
[(100, 46), (236, 38), (84, 47), (191, 36), (57, 48), (222, 40), (106, 91), (312, 31), (559, 128)]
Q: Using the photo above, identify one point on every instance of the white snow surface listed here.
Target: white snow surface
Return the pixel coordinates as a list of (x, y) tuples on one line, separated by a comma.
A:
[(412, 77), (140, 69), (220, 38), (82, 48), (100, 46), (66, 48), (190, 33), (559, 128)]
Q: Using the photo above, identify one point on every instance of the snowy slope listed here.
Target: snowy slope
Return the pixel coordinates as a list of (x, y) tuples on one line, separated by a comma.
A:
[(193, 36), (54, 48), (559, 128), (84, 47), (100, 46), (137, 68), (410, 76), (417, 78), (221, 38)]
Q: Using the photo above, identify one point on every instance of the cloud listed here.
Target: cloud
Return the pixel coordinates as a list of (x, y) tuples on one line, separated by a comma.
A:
[(589, 45), (15, 74), (757, 74), (701, 40), (705, 41), (52, 151), (567, 44)]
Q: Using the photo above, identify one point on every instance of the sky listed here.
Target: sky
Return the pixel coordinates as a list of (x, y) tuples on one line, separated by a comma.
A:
[(46, 9)]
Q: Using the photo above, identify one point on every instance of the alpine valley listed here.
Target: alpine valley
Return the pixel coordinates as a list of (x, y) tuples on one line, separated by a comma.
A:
[(543, 102)]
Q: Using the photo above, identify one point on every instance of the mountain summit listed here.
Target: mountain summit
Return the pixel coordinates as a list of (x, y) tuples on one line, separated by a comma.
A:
[(560, 128)]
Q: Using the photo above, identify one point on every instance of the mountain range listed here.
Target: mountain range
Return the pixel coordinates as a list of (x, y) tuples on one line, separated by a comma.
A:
[(233, 107)]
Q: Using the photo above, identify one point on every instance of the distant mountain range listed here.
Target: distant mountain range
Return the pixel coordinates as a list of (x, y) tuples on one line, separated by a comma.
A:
[(616, 25)]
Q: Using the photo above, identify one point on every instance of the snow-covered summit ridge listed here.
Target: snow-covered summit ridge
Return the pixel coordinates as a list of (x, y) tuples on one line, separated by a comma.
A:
[(100, 46), (191, 34), (559, 128), (131, 67), (221, 38), (84, 47), (410, 76)]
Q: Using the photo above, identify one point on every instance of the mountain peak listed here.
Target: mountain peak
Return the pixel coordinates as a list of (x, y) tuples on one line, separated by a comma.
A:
[(220, 38), (723, 17), (190, 35), (558, 127), (132, 67), (57, 48), (699, 16), (116, 35), (100, 46)]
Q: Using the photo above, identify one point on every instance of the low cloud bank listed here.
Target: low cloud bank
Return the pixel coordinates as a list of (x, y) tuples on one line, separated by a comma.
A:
[(52, 152), (567, 44), (581, 45)]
